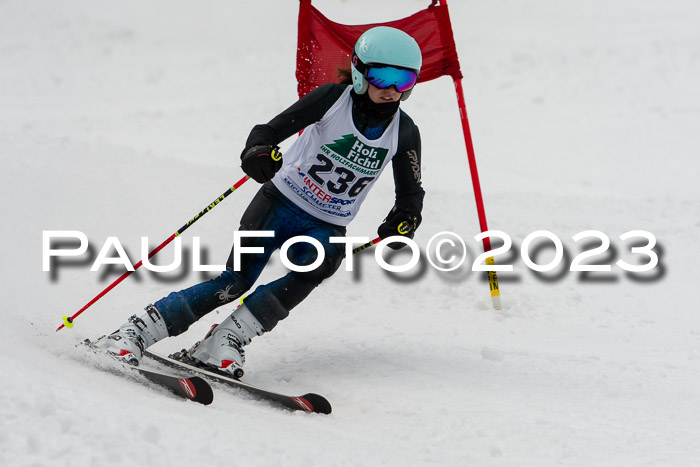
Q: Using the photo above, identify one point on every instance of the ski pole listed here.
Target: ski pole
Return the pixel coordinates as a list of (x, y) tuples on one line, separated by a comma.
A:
[(366, 245), (402, 229), (68, 320)]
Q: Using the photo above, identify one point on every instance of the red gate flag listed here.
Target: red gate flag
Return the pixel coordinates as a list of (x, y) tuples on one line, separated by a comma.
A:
[(325, 46)]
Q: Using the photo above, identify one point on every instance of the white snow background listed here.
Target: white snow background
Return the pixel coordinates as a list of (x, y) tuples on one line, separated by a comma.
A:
[(126, 118)]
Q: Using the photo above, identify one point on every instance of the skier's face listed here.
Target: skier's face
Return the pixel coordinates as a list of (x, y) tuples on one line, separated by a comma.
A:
[(383, 96)]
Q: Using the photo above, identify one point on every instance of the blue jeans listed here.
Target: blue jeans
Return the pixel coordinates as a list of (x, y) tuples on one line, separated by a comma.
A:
[(269, 303)]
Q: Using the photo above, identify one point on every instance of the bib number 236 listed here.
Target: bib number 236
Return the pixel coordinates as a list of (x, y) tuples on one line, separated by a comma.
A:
[(344, 181)]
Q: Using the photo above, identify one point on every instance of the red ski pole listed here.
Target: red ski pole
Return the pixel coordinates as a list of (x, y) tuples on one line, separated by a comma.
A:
[(68, 320)]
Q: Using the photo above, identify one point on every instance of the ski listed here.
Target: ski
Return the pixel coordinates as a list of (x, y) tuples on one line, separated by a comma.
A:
[(191, 388), (311, 403)]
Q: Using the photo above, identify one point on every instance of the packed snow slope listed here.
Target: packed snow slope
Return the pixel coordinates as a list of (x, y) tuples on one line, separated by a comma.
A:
[(124, 119)]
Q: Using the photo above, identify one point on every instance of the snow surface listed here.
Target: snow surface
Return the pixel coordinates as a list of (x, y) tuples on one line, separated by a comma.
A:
[(126, 118)]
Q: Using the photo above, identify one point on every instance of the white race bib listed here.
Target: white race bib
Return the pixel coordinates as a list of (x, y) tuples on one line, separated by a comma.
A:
[(330, 169)]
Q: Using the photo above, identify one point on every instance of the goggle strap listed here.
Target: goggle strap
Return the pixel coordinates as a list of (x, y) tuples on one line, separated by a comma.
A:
[(357, 63)]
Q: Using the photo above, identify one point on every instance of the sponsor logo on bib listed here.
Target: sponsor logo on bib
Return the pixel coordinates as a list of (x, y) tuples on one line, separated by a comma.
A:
[(355, 154)]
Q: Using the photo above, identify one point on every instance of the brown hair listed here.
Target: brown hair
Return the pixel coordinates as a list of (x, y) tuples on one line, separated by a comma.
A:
[(344, 75)]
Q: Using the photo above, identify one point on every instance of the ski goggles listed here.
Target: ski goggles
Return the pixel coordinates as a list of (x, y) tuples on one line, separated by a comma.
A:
[(384, 76)]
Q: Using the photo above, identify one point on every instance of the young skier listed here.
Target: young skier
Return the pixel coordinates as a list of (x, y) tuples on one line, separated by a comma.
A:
[(351, 132)]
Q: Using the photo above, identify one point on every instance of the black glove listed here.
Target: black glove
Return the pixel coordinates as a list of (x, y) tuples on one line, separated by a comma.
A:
[(261, 162), (401, 220)]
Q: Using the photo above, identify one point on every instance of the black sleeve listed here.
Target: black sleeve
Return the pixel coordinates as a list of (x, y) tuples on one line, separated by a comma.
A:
[(307, 110), (407, 167)]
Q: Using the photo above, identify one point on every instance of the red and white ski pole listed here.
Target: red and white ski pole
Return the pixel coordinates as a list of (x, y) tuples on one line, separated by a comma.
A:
[(68, 320)]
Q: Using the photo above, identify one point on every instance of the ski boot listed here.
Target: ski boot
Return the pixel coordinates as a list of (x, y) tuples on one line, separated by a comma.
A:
[(128, 343), (221, 350)]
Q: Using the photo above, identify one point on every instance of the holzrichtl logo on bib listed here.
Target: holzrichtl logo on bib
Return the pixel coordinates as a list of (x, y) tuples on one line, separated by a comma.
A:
[(355, 154)]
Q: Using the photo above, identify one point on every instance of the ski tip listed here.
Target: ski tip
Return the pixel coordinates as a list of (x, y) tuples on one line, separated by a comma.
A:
[(314, 403)]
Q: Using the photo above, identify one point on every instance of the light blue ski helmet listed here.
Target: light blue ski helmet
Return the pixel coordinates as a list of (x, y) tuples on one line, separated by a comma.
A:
[(383, 45)]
